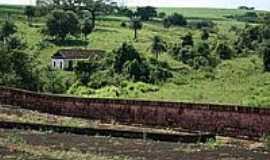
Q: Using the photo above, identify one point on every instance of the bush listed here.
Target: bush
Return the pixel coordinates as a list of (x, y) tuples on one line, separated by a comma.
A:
[(124, 54), (224, 51), (123, 24), (266, 57), (161, 15), (187, 40), (202, 24), (176, 19)]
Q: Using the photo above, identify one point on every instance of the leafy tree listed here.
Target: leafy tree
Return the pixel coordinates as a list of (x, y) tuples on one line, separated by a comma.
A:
[(177, 19), (187, 40), (124, 54), (61, 23), (7, 29), (137, 70), (185, 54), (96, 7), (136, 24), (158, 46), (146, 13), (87, 27), (29, 11), (224, 51)]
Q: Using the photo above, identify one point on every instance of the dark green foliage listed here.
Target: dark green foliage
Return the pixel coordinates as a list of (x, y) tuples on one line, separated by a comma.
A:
[(187, 40), (137, 70), (61, 23), (16, 69), (251, 17), (87, 27), (125, 12), (166, 23), (15, 42), (249, 38), (185, 54), (224, 51), (161, 15), (146, 13), (158, 46), (202, 24), (84, 70), (176, 19), (8, 28), (29, 11), (246, 8), (266, 55), (124, 54), (123, 24), (136, 24), (205, 35)]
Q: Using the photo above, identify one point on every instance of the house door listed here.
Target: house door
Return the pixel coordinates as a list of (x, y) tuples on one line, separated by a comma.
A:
[(70, 65)]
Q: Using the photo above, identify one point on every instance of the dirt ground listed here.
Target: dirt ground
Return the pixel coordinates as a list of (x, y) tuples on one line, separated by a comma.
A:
[(30, 145)]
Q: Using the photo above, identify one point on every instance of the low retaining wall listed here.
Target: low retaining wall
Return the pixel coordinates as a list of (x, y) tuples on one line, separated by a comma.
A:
[(226, 120), (131, 134)]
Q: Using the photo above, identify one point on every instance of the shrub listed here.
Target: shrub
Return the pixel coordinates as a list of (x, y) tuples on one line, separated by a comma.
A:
[(205, 35), (161, 14), (124, 54), (187, 40), (266, 57), (123, 24), (224, 51), (176, 19)]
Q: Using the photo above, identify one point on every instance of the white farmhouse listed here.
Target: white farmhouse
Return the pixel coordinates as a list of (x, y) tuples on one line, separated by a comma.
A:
[(67, 59)]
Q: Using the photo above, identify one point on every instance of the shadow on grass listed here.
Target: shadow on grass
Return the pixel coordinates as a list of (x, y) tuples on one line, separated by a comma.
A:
[(69, 42), (106, 30)]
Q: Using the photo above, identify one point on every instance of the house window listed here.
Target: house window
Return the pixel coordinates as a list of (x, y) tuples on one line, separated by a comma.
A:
[(54, 63)]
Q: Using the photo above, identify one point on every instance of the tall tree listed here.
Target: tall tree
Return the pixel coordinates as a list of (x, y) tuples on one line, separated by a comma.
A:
[(136, 24), (146, 13), (61, 23), (87, 27), (158, 46), (29, 11)]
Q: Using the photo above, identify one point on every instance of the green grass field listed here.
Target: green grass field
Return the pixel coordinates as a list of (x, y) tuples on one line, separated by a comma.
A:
[(238, 81)]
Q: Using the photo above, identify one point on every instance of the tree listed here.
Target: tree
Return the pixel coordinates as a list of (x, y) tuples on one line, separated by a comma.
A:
[(7, 29), (187, 40), (15, 42), (146, 13), (162, 15), (87, 27), (158, 46), (177, 19), (29, 11), (96, 7), (124, 54), (61, 23), (136, 25)]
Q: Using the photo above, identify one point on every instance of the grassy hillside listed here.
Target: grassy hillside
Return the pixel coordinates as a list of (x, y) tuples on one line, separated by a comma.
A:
[(237, 81)]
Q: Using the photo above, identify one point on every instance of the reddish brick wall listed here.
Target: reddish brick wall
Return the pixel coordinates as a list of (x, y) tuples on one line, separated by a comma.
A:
[(225, 120)]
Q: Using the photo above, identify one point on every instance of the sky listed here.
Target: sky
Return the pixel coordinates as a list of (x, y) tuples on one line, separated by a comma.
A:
[(258, 4)]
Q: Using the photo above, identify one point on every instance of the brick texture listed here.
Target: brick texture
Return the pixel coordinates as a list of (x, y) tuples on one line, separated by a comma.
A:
[(226, 120)]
